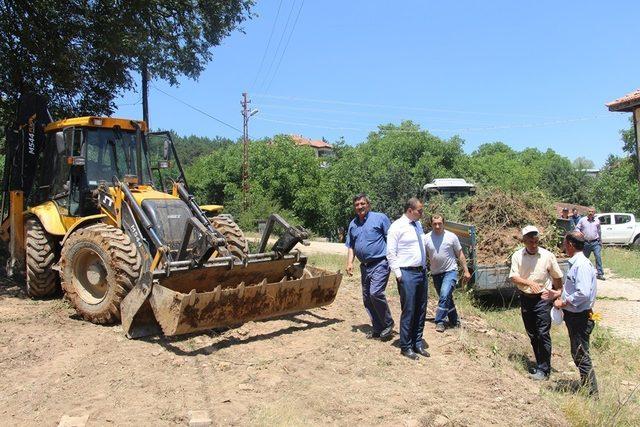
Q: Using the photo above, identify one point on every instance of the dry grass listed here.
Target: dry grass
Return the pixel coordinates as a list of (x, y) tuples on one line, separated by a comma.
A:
[(617, 362)]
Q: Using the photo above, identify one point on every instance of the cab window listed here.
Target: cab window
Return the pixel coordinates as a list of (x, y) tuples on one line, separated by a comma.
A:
[(605, 219), (622, 219)]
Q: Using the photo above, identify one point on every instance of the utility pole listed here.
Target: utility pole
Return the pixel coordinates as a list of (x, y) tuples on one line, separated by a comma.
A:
[(145, 93), (246, 113)]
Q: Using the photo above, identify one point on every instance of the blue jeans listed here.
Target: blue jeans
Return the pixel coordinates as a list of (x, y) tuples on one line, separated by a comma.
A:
[(596, 248), (413, 300), (445, 283), (374, 282)]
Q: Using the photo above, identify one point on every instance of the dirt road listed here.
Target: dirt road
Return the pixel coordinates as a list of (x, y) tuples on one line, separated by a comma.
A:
[(316, 367), (312, 368), (619, 303)]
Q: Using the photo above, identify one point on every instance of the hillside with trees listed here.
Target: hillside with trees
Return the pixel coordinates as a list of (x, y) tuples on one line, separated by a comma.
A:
[(392, 164)]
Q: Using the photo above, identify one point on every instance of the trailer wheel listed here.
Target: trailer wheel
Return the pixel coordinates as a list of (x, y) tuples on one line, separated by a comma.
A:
[(41, 279), (236, 242), (99, 266)]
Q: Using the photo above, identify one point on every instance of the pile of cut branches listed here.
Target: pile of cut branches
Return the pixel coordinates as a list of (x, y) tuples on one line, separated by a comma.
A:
[(499, 217)]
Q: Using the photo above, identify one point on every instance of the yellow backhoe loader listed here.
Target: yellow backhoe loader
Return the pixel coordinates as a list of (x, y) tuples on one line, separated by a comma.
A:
[(83, 208)]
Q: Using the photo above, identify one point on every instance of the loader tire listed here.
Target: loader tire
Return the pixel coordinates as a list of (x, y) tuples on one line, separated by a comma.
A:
[(236, 242), (41, 278), (99, 266)]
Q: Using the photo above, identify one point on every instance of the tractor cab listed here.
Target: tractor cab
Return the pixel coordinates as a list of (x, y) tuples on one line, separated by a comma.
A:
[(81, 154)]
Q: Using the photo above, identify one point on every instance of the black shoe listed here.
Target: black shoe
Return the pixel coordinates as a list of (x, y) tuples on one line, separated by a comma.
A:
[(373, 335), (409, 353), (601, 277), (440, 327), (387, 332), (421, 351)]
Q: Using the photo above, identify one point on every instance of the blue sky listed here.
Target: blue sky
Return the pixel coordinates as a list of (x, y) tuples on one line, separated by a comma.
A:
[(529, 74)]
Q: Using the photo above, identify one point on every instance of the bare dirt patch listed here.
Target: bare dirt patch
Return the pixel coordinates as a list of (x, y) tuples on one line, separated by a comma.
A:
[(316, 367)]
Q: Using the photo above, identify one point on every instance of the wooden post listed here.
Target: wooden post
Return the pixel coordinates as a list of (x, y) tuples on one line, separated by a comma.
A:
[(16, 230)]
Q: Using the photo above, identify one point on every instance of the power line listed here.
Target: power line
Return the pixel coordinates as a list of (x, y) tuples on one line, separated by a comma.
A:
[(133, 103), (286, 25), (293, 28), (399, 107), (349, 122), (469, 129), (305, 124), (197, 109), (360, 113), (264, 55)]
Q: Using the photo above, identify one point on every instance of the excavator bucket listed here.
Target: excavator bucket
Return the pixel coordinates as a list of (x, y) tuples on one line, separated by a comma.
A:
[(225, 294)]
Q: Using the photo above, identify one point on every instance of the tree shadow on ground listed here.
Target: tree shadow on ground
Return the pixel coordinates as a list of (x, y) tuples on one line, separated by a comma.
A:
[(302, 325)]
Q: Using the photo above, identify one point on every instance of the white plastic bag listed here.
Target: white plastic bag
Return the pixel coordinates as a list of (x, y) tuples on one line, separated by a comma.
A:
[(557, 315)]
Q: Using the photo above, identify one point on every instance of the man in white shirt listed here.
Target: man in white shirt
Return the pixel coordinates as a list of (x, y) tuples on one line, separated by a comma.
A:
[(406, 256), (535, 270)]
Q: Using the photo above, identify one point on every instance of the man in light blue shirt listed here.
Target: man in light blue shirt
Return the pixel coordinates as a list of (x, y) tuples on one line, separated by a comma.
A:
[(367, 240), (576, 300), (589, 226)]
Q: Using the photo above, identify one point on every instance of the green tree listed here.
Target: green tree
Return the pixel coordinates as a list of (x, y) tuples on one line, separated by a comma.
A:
[(613, 188), (628, 137), (81, 54)]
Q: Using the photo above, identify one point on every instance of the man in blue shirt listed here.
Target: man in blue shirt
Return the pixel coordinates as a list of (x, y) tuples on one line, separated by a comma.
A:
[(576, 300), (367, 240)]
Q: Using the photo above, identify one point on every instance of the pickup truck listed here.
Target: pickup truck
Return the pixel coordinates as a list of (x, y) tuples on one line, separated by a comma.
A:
[(619, 229), (486, 279)]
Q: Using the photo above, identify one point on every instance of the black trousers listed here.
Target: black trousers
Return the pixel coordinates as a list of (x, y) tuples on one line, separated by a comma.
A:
[(580, 327), (536, 315)]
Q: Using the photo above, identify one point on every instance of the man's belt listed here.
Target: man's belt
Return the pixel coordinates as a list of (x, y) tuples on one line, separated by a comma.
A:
[(532, 296), (418, 268), (372, 261), (591, 241)]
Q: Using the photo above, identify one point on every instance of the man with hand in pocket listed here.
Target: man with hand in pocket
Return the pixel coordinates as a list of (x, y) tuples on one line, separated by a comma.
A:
[(407, 259)]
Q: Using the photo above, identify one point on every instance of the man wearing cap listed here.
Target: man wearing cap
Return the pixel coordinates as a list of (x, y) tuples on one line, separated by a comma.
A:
[(367, 240), (576, 299), (589, 226), (565, 213), (534, 270), (407, 259)]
